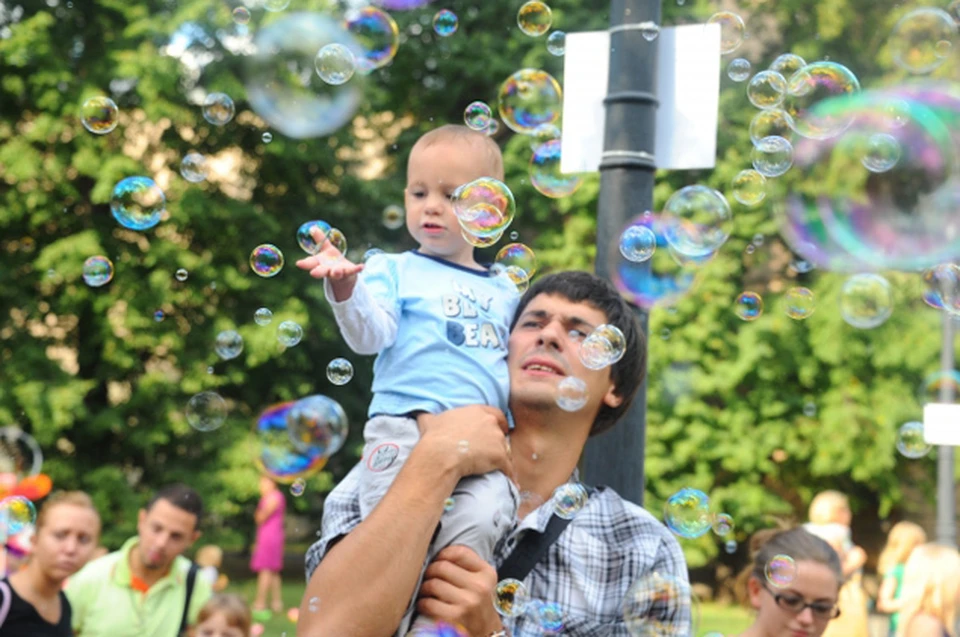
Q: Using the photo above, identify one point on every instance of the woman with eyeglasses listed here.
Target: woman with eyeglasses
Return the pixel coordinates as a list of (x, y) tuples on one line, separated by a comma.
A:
[(930, 593), (804, 600)]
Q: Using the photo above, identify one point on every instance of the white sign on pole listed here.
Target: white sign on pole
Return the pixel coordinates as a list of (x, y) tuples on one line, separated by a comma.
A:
[(688, 88), (941, 424)]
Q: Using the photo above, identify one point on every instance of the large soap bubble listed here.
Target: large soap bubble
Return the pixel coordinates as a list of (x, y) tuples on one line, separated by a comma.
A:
[(528, 99), (317, 424), (281, 80), (811, 85), (276, 454), (923, 39), (698, 220)]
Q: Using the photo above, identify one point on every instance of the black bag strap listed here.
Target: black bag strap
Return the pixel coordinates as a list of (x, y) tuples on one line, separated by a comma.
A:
[(532, 547), (191, 580)]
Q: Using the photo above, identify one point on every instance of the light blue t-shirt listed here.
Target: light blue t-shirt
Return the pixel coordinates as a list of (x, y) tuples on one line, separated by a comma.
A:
[(451, 345)]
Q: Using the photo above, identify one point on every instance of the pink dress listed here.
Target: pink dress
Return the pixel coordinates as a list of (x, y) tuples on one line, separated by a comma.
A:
[(268, 550)]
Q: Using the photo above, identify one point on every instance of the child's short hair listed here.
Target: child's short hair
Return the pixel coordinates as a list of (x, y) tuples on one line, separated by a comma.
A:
[(826, 505), (232, 606), (210, 555), (460, 132)]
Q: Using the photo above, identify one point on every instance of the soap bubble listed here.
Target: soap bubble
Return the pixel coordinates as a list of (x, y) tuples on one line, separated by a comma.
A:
[(480, 242), (549, 617), (730, 547), (378, 36), (787, 64), (800, 303), (241, 15), (99, 115), (289, 333), (159, 315), (17, 514), (267, 137), (649, 30), (207, 410), (281, 81), (20, 455), (477, 115), (275, 5), (557, 43), (881, 153), (545, 173), (543, 134), (193, 168), (568, 499), (571, 394), (938, 381), (780, 571), (811, 85), (910, 442), (739, 69), (687, 513), (394, 217), (748, 306), (534, 18), (772, 122), (317, 425), (749, 187), (530, 98), (181, 274), (942, 287), (305, 235), (276, 455), (638, 243), (923, 39), (655, 595), (766, 89), (698, 221), (492, 128), (603, 347), (484, 207), (511, 597), (335, 63), (263, 316), (266, 260), (722, 524), (218, 108), (339, 371), (517, 255), (866, 301), (445, 23), (438, 629), (298, 487), (772, 156), (731, 30), (229, 344), (137, 203), (97, 271)]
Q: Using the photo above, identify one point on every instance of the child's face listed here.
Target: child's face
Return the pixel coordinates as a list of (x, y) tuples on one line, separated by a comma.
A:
[(433, 174), (216, 626)]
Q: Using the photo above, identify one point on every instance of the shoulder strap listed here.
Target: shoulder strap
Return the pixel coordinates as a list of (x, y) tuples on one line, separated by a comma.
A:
[(7, 600), (191, 580)]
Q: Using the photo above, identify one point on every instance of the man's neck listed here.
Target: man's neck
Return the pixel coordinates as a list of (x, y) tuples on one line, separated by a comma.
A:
[(141, 572)]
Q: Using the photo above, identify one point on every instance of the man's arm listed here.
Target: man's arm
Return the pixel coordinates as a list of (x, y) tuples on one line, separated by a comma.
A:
[(365, 581)]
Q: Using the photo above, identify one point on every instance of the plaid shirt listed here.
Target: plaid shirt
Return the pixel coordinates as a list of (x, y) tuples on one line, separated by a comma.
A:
[(586, 572)]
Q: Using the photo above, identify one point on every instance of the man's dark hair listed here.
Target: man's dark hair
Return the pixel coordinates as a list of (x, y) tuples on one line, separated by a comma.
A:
[(627, 373), (182, 497)]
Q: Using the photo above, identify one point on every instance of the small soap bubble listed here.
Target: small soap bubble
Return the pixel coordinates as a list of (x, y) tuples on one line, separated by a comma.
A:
[(546, 175), (97, 271), (298, 487), (649, 30), (773, 122), (210, 369), (767, 89), (335, 64), (266, 260), (749, 187), (241, 15), (207, 410), (787, 64), (137, 203), (218, 109), (181, 274), (731, 30), (17, 514), (372, 252), (571, 394), (814, 84), (549, 617), (492, 128), (267, 137), (484, 207), (289, 333), (921, 40), (780, 571), (534, 18), (305, 235), (882, 153), (445, 23), (739, 69), (722, 524), (557, 43), (697, 220), (159, 315), (772, 156), (463, 446), (378, 36), (603, 347), (99, 115), (275, 5), (339, 371), (317, 426), (313, 604), (477, 115), (511, 597), (638, 243), (800, 303), (568, 499), (393, 217), (194, 168), (748, 306), (263, 316), (730, 546), (866, 301), (687, 513), (528, 99), (942, 287), (910, 442), (229, 344)]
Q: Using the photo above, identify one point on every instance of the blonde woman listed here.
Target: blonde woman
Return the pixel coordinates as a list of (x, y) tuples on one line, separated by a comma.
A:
[(931, 587), (903, 538)]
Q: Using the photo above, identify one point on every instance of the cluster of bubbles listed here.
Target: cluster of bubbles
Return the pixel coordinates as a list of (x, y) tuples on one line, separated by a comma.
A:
[(603, 347)]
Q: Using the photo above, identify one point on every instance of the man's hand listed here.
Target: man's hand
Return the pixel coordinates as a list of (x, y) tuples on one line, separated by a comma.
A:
[(329, 263), (458, 588), (473, 437)]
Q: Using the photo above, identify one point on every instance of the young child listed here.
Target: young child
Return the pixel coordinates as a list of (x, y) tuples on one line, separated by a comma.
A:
[(439, 323), (210, 560), (225, 615), (903, 538)]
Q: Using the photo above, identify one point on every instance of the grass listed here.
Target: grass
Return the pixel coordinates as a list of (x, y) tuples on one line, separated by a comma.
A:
[(714, 618)]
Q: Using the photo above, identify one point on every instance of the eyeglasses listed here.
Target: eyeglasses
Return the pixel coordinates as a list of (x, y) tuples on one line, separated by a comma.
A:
[(796, 605)]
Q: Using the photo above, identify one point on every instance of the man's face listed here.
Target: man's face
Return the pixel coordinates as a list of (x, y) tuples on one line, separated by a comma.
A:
[(166, 531), (544, 348)]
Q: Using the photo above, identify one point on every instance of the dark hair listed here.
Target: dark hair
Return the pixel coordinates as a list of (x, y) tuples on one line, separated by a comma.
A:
[(797, 543), (628, 373), (182, 497)]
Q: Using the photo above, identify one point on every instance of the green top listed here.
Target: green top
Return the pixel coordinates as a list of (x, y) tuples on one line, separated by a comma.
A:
[(896, 573), (105, 605)]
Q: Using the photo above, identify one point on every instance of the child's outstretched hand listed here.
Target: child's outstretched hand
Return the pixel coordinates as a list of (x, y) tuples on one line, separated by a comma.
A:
[(330, 263)]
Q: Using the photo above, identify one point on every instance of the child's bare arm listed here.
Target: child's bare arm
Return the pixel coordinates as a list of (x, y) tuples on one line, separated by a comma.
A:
[(886, 603)]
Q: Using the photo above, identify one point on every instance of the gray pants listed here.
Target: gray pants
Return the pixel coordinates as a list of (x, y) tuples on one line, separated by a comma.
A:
[(483, 510)]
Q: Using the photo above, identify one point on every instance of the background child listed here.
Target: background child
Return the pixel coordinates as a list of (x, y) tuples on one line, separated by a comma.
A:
[(903, 538), (210, 560), (439, 323), (225, 615)]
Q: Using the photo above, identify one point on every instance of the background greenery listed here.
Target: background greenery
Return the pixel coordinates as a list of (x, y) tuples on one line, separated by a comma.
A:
[(102, 385)]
